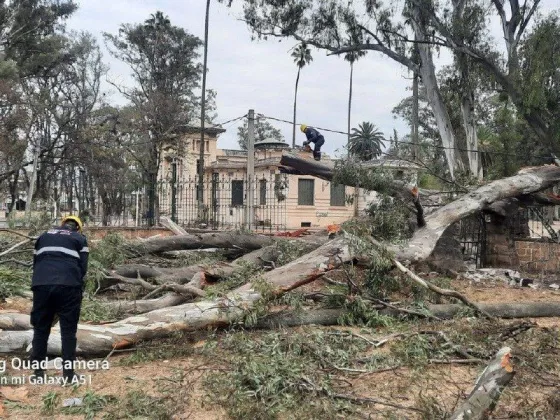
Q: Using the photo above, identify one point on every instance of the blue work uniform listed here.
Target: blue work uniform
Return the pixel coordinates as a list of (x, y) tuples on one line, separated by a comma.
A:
[(313, 136), (60, 263)]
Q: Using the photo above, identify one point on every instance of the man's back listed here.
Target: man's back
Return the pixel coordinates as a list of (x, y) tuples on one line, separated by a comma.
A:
[(60, 257)]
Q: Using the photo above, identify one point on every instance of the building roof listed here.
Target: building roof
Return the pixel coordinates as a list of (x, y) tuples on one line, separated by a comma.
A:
[(271, 144), (233, 152), (194, 126)]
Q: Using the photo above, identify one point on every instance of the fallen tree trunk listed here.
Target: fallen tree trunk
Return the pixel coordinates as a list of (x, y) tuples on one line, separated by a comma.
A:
[(296, 165), (14, 321), (483, 398), (227, 240), (101, 339), (442, 311), (17, 321), (262, 257), (175, 275), (527, 180), (147, 305)]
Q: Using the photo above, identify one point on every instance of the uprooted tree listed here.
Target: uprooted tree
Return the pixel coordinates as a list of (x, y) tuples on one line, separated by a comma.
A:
[(313, 265)]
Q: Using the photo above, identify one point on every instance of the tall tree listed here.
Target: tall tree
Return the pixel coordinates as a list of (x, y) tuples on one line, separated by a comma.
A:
[(163, 59), (302, 56), (326, 23), (366, 142), (30, 39), (351, 57)]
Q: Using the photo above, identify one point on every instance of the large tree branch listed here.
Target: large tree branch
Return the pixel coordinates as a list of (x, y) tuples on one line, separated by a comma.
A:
[(527, 181)]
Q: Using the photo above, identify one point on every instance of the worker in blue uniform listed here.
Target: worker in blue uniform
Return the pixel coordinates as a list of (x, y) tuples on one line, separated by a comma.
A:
[(313, 136), (60, 263)]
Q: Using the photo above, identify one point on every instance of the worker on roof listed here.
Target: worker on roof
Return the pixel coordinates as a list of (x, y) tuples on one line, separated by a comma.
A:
[(60, 263), (313, 136)]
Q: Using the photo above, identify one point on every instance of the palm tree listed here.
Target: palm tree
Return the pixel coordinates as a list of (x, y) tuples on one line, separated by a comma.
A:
[(366, 141), (302, 56), (352, 57)]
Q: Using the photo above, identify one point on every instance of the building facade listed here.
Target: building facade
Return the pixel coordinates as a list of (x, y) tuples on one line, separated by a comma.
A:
[(271, 201)]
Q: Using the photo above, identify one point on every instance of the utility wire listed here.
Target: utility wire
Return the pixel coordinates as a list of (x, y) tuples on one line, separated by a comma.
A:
[(435, 146)]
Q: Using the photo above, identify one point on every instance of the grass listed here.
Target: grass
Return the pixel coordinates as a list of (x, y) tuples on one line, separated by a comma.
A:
[(13, 282), (137, 404), (51, 400)]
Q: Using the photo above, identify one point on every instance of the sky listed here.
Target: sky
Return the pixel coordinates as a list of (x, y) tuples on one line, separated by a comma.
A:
[(260, 75)]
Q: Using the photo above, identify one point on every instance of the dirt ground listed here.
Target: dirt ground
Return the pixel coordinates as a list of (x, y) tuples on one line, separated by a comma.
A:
[(185, 373)]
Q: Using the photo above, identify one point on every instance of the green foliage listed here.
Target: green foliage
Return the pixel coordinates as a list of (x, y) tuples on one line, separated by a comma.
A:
[(540, 69), (289, 251), (94, 310), (264, 130), (360, 312), (366, 142), (389, 219), (347, 172), (301, 55), (237, 278), (137, 404), (108, 253), (51, 400), (270, 375), (13, 281)]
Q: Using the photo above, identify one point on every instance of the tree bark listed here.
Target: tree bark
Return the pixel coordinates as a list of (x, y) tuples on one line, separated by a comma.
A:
[(295, 110), (526, 181), (483, 398), (429, 79), (350, 99), (443, 311), (290, 163), (228, 240), (101, 339), (147, 305)]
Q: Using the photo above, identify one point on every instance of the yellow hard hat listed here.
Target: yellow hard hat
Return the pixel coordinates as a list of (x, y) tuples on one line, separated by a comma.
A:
[(303, 127), (75, 219)]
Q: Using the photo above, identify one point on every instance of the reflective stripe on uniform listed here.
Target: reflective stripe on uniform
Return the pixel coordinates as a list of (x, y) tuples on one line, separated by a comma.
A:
[(57, 249), (84, 249)]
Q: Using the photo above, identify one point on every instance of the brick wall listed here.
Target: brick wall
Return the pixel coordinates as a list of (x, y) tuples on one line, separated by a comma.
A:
[(531, 256)]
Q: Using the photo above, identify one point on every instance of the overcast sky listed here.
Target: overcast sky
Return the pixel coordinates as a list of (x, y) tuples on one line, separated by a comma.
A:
[(261, 74)]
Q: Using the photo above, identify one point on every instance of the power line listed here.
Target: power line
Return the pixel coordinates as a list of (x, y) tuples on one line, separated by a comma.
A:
[(435, 146), (232, 120)]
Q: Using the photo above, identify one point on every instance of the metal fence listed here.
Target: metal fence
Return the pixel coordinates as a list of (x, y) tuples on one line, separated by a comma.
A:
[(226, 202)]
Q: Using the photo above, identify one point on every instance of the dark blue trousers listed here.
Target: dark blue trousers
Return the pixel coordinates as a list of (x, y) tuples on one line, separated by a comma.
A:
[(49, 301), (317, 149)]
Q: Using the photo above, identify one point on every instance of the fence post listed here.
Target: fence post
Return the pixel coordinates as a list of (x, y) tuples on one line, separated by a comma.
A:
[(174, 190), (249, 208)]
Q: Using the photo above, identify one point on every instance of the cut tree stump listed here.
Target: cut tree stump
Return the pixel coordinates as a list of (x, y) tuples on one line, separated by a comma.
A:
[(488, 388)]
